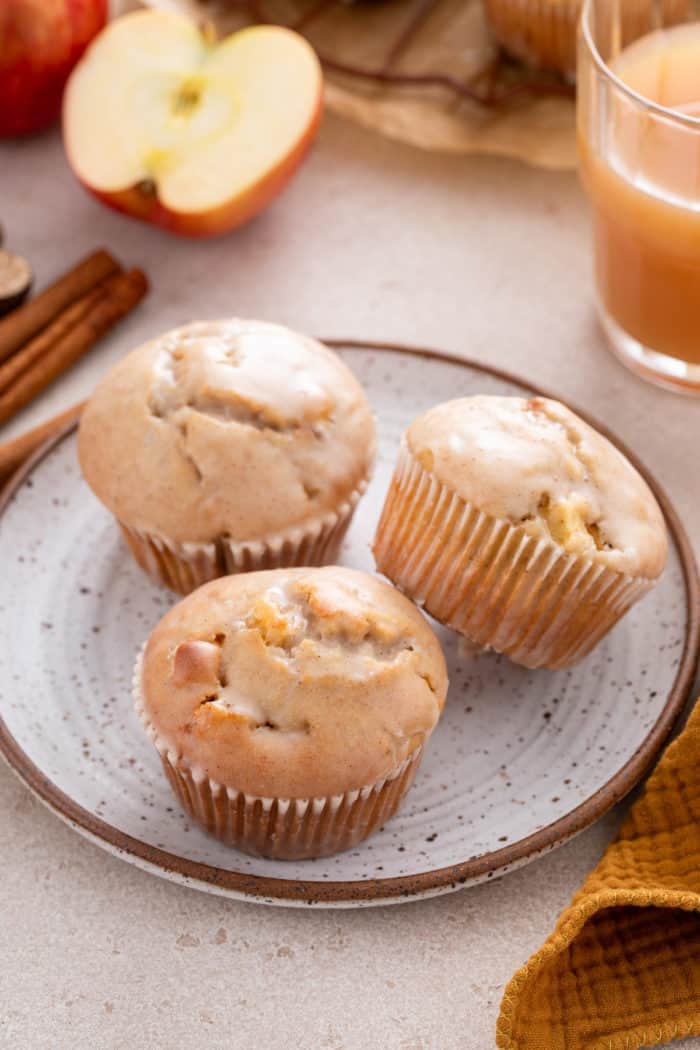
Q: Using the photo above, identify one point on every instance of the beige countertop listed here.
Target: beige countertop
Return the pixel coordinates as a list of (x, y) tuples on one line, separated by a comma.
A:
[(372, 240)]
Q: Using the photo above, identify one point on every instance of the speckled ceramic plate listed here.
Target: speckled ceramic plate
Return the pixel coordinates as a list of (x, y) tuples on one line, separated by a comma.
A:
[(520, 762)]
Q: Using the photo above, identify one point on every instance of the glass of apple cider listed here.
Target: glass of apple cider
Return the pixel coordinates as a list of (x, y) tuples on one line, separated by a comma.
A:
[(639, 148)]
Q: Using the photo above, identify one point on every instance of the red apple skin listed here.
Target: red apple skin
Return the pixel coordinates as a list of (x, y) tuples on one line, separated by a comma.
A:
[(240, 209), (40, 42)]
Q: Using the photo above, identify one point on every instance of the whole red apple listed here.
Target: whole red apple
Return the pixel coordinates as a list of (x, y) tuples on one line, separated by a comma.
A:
[(40, 42)]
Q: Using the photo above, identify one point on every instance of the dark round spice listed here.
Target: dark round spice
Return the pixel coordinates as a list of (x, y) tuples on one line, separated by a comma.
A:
[(15, 281)]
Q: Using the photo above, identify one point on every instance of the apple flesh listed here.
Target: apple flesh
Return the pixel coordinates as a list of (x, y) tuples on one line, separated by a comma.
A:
[(40, 42), (191, 135)]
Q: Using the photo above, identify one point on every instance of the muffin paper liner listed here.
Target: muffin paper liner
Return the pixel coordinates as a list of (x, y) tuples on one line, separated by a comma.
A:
[(184, 567), (541, 33), (491, 580), (279, 828)]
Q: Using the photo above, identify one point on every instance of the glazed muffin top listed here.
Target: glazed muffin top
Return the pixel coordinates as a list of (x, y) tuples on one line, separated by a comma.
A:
[(293, 683), (226, 428), (534, 462)]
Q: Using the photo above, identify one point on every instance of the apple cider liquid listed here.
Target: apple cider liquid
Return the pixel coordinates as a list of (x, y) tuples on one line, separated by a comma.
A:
[(644, 187)]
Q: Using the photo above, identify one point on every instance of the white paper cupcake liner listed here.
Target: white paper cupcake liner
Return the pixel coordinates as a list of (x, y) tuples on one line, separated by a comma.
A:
[(491, 580), (543, 33), (540, 33), (184, 567), (279, 828)]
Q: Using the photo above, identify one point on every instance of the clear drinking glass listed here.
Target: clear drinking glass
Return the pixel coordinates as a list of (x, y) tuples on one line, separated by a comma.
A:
[(639, 147)]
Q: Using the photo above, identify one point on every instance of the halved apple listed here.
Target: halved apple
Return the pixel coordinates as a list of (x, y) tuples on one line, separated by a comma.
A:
[(192, 135)]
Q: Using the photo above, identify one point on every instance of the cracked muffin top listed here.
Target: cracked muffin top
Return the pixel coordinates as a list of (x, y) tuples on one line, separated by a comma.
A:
[(227, 428), (535, 463), (293, 683)]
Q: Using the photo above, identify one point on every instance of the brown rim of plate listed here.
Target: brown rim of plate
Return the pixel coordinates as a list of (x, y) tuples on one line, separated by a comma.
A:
[(406, 886)]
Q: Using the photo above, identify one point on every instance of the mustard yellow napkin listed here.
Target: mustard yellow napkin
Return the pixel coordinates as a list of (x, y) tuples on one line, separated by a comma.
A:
[(622, 968)]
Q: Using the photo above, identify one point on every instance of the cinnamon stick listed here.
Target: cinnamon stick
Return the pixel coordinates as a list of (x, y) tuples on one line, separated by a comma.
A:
[(120, 294), (26, 321), (40, 345), (14, 453)]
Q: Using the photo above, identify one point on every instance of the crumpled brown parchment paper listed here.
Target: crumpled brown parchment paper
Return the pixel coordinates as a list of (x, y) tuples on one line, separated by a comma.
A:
[(452, 39)]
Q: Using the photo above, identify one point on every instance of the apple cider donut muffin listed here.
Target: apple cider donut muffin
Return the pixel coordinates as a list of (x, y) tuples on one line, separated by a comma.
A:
[(290, 707), (228, 446), (542, 33), (517, 524)]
